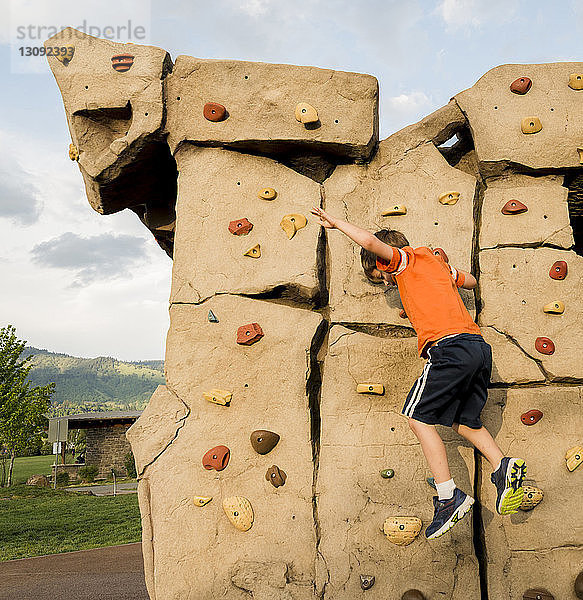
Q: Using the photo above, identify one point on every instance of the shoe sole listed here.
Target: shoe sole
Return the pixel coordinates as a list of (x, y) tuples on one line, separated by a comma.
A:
[(462, 510), (513, 493)]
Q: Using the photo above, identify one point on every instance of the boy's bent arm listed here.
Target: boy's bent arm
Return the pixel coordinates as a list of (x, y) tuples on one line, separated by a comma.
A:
[(470, 281)]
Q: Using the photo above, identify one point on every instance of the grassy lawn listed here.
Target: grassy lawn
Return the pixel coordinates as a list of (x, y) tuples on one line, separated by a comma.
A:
[(25, 466), (36, 521)]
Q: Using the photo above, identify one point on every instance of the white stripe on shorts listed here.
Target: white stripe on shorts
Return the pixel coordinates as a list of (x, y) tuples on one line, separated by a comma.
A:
[(419, 386)]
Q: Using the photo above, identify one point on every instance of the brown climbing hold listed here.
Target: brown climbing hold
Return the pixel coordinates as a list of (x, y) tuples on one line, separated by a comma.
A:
[(531, 125), (65, 57), (240, 226), (254, 252), (520, 85), (544, 345), (73, 152), (370, 388), (249, 334), (222, 397), (579, 586), (398, 209), (574, 457), (212, 111), (514, 207), (403, 314), (306, 113), (402, 530), (556, 308), (122, 62), (449, 198), (537, 595), (412, 595), (264, 441), (216, 458), (441, 252), (366, 581), (576, 81), (202, 500), (292, 223), (531, 417), (275, 476), (239, 511), (267, 194), (558, 270), (532, 497)]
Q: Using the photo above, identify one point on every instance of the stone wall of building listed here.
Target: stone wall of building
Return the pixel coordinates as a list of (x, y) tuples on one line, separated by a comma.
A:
[(107, 448)]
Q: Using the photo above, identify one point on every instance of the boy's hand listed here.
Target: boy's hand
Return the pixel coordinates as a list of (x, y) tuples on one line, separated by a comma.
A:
[(326, 220)]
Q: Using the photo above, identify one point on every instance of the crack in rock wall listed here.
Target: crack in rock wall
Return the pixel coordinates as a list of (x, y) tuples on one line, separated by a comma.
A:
[(143, 142)]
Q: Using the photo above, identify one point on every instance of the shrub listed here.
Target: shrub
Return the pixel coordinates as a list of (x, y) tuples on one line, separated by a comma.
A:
[(62, 478), (130, 464), (88, 473)]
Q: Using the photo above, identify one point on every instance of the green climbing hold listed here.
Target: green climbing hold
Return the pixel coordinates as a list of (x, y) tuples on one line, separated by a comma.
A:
[(387, 473), (431, 482)]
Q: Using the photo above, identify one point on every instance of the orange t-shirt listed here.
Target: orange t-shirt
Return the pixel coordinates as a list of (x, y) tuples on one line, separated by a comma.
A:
[(428, 289)]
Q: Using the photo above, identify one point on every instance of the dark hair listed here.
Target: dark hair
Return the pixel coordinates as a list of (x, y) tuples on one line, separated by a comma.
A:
[(392, 237)]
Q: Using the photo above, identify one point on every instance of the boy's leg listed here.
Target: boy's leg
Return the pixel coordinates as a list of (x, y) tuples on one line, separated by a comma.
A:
[(433, 449), (483, 441)]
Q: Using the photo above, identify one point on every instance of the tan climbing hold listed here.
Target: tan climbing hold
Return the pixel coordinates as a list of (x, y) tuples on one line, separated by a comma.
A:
[(292, 223), (254, 252), (532, 497), (202, 500), (370, 388), (239, 511), (449, 198), (398, 209), (402, 530), (576, 81), (531, 125), (67, 56), (267, 194), (555, 308), (222, 397), (306, 113), (580, 151), (574, 457), (73, 152)]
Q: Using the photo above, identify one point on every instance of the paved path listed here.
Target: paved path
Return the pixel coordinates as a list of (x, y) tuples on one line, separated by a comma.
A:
[(107, 489), (114, 573)]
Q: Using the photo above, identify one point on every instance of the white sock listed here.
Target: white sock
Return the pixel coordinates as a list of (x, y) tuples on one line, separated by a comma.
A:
[(497, 467), (445, 489)]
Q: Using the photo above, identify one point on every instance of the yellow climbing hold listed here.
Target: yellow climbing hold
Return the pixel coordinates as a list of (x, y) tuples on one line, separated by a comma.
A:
[(254, 252), (449, 197), (398, 209), (267, 194), (402, 530), (574, 457), (239, 511), (73, 152), (555, 308), (531, 125), (202, 500), (218, 396), (370, 388), (576, 81), (532, 497), (65, 57), (292, 223), (306, 113)]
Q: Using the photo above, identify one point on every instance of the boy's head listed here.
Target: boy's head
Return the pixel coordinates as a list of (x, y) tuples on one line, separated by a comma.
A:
[(368, 259)]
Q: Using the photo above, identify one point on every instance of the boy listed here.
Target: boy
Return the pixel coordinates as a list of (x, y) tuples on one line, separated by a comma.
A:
[(453, 387)]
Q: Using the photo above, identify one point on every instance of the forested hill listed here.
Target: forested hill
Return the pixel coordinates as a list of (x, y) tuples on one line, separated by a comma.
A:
[(89, 384)]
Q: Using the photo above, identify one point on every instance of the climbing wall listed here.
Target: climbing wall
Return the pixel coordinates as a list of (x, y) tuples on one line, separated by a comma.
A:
[(275, 463)]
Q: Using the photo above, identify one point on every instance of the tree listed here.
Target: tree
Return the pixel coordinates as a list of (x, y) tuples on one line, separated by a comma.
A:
[(22, 407)]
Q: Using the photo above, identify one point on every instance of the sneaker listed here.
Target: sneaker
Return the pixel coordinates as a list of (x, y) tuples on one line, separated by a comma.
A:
[(508, 481), (448, 513)]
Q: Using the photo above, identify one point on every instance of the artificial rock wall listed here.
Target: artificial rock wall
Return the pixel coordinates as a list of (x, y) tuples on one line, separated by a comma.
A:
[(222, 161)]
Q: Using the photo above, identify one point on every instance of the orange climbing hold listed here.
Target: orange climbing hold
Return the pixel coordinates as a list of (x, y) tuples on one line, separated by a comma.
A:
[(122, 62), (531, 417), (249, 334), (514, 207), (558, 270), (240, 226), (212, 111), (520, 85), (544, 345)]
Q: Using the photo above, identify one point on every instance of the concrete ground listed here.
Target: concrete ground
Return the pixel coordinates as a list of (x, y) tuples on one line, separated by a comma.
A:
[(130, 487), (114, 573)]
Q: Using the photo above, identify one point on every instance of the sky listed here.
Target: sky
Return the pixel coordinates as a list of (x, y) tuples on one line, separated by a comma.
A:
[(77, 282)]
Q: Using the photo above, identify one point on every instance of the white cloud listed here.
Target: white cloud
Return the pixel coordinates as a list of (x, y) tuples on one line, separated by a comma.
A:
[(474, 13), (407, 104), (255, 8)]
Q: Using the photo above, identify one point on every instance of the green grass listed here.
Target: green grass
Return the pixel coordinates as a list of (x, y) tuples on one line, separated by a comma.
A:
[(37, 521), (25, 466)]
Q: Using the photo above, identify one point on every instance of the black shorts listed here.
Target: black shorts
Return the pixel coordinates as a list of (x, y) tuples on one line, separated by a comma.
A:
[(453, 387)]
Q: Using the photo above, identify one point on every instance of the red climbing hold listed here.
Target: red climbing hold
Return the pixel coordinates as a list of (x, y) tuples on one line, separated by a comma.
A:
[(216, 458), (531, 417), (520, 85), (544, 345), (249, 334), (214, 112), (514, 207), (558, 270), (240, 226), (122, 62)]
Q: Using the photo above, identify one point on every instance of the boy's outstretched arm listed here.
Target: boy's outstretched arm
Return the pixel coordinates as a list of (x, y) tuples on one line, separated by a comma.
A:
[(361, 236)]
